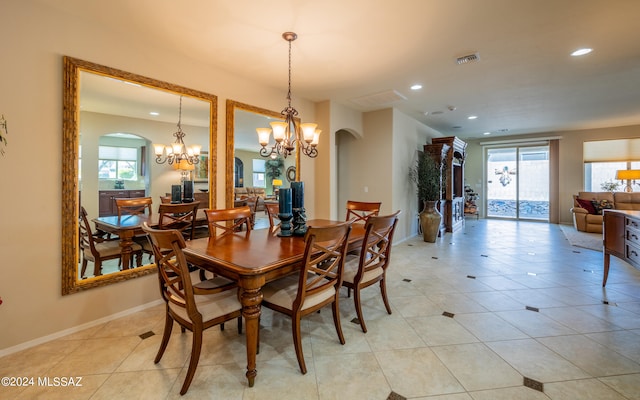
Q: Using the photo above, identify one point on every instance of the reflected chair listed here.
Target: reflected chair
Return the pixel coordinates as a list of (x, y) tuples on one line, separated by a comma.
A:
[(136, 206), (273, 209), (359, 211), (228, 221), (97, 249), (192, 307), (133, 206), (370, 265), (252, 203), (317, 284), (181, 216)]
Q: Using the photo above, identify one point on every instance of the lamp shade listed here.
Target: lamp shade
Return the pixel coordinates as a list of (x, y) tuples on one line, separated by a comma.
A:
[(183, 165), (628, 174), (277, 182)]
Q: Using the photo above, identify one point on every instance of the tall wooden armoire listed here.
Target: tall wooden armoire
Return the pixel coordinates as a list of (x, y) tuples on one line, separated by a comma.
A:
[(452, 206)]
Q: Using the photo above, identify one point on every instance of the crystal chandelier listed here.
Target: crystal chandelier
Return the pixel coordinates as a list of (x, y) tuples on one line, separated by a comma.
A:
[(289, 133), (178, 152)]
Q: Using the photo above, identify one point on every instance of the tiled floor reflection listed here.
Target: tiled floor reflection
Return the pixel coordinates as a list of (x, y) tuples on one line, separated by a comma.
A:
[(574, 345)]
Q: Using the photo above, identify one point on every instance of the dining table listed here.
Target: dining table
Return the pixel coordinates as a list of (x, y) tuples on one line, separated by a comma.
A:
[(126, 227), (252, 259)]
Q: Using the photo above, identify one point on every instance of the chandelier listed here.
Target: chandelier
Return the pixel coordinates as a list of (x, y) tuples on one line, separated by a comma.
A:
[(178, 152), (287, 134)]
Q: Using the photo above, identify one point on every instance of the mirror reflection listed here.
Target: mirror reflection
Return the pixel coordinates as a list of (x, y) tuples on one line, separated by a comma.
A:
[(112, 120), (248, 173)]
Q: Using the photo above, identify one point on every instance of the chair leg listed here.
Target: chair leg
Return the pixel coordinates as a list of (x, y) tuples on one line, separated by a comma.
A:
[(240, 325), (196, 347), (97, 267), (297, 342), (383, 290), (335, 307), (166, 335), (84, 267), (356, 301)]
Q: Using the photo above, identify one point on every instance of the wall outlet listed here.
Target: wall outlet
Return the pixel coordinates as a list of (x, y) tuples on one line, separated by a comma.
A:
[(366, 189)]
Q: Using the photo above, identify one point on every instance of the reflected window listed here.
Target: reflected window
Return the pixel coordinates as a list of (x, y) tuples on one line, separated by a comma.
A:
[(259, 176), (117, 163)]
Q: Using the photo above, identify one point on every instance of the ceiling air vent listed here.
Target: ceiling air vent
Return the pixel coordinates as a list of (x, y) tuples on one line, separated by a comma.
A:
[(468, 58)]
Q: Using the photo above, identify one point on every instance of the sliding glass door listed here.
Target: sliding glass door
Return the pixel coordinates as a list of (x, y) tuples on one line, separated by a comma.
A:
[(518, 182)]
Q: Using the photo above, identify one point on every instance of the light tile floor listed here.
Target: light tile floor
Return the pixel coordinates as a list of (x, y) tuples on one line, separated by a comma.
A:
[(486, 275)]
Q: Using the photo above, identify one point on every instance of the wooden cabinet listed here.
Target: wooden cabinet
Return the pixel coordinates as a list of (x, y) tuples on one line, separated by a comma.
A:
[(621, 230), (106, 203), (453, 151)]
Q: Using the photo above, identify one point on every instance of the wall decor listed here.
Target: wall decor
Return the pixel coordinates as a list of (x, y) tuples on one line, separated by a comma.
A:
[(3, 134)]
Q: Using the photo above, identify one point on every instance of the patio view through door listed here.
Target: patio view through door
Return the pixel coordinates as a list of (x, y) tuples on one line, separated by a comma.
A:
[(518, 182)]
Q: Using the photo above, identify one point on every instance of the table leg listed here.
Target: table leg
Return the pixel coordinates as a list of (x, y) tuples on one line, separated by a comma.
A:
[(607, 260), (251, 299), (126, 240)]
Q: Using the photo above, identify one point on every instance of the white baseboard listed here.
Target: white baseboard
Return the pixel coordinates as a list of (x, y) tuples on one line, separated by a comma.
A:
[(57, 335)]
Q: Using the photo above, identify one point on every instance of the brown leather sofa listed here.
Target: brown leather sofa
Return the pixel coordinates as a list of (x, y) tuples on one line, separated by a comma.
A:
[(589, 219)]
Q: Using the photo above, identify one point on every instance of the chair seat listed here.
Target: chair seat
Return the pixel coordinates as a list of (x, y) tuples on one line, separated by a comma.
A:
[(351, 269), (109, 249), (210, 306), (283, 292)]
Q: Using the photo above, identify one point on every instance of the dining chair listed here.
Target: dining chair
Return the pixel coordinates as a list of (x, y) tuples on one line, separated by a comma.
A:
[(273, 209), (181, 216), (370, 265), (252, 202), (97, 249), (229, 220), (317, 284), (191, 306), (359, 211), (133, 205)]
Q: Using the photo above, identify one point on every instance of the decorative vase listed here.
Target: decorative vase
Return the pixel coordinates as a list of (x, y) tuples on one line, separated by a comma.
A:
[(430, 220)]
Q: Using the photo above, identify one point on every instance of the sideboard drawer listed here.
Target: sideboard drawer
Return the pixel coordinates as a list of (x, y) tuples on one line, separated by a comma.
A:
[(632, 236), (633, 223), (633, 254)]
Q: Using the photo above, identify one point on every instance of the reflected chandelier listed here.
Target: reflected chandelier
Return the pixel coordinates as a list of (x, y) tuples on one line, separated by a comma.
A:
[(178, 152), (287, 133)]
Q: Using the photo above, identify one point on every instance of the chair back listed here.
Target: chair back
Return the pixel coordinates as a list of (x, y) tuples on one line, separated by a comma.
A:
[(273, 209), (360, 211), (321, 275), (181, 217), (133, 205), (85, 234), (376, 245), (176, 287), (165, 199), (228, 221)]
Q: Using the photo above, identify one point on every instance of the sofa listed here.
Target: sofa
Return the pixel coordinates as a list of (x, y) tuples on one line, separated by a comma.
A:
[(241, 193), (588, 206)]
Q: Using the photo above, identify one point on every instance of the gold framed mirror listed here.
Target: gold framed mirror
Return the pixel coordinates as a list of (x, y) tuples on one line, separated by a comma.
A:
[(241, 123), (94, 92)]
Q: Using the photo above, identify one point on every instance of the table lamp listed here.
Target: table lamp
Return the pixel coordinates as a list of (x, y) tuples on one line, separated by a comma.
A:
[(629, 175)]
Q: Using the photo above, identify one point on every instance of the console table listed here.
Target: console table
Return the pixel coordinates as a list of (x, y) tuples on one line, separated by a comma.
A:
[(621, 238)]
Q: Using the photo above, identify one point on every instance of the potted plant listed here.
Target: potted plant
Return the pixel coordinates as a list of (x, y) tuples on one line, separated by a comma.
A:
[(427, 176)]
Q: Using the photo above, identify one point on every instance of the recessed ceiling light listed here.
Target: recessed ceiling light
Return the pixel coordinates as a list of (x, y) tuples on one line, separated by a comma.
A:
[(154, 113), (581, 52), (472, 117), (487, 133), (417, 86)]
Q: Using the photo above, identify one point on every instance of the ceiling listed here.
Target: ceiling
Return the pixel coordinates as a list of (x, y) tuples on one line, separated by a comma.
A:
[(524, 82)]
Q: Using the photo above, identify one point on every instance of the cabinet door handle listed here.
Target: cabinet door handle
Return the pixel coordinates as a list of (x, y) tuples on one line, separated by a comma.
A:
[(633, 235), (633, 253)]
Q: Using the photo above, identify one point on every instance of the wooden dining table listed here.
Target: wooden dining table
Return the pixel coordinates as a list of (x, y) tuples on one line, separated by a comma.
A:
[(252, 259), (128, 226)]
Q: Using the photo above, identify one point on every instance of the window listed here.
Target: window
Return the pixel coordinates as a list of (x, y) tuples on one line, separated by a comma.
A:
[(259, 178), (598, 173), (117, 163)]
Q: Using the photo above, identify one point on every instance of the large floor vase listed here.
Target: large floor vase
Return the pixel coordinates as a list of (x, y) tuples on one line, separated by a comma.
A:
[(430, 220)]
